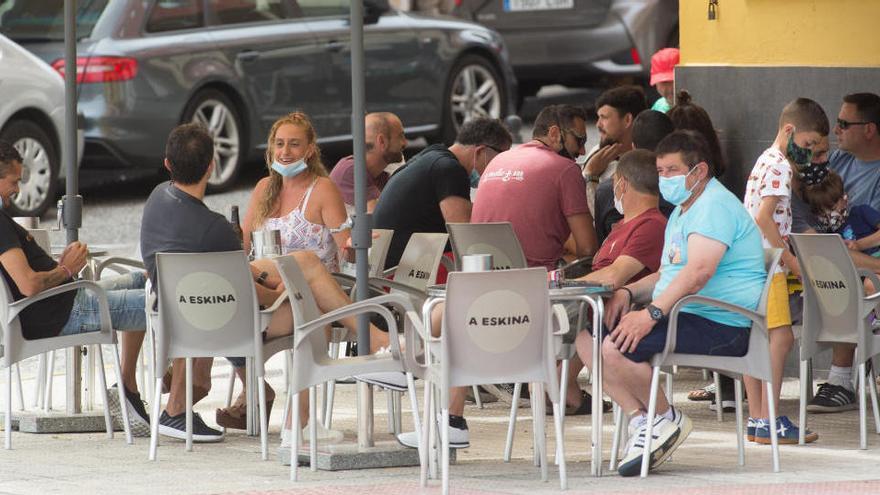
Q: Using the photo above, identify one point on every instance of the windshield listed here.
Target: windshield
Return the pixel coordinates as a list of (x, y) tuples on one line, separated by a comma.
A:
[(43, 20)]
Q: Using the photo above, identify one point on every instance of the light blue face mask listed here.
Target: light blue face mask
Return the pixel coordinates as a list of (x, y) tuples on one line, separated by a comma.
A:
[(475, 178), (291, 170), (674, 190)]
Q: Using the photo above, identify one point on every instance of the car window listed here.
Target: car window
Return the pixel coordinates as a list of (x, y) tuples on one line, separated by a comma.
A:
[(324, 8), (175, 15), (27, 20), (241, 11)]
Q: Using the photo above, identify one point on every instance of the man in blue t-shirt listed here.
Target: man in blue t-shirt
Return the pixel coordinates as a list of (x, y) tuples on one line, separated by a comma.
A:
[(857, 161), (711, 248)]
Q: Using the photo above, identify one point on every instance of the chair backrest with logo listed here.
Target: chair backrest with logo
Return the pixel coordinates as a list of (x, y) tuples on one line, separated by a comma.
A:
[(420, 260), (833, 292), (496, 329), (302, 301), (497, 239), (207, 306)]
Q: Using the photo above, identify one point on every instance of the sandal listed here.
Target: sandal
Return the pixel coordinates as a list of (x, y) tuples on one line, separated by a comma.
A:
[(235, 416), (703, 394)]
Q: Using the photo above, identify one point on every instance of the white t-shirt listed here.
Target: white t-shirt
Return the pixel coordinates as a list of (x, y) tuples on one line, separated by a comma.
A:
[(591, 186), (771, 176)]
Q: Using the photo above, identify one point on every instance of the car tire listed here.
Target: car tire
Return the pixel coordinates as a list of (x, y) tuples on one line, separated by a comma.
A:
[(227, 130), (474, 89), (40, 164)]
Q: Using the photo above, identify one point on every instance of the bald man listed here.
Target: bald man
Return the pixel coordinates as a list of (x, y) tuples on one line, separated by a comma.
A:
[(384, 144)]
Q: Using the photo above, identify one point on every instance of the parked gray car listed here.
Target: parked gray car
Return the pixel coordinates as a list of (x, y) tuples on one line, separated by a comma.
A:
[(577, 42), (237, 65)]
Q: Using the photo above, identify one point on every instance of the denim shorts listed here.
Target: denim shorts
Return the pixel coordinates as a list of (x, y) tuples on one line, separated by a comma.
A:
[(696, 335), (125, 295)]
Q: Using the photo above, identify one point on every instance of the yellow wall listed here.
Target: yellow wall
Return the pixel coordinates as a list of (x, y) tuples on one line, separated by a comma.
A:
[(819, 33)]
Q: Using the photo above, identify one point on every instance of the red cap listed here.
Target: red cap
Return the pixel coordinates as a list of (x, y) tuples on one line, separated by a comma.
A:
[(662, 64)]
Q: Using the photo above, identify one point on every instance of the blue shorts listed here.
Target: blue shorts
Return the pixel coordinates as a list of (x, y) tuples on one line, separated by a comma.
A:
[(696, 335)]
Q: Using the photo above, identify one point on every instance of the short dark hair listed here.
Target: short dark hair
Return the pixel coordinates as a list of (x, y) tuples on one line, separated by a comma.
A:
[(189, 150), (687, 115), (824, 195), (8, 156), (629, 99), (558, 115), (692, 146), (639, 168), (806, 116), (867, 106), (649, 128), (483, 131)]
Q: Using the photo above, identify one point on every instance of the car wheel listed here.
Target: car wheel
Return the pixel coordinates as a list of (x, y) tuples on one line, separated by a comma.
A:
[(474, 89), (218, 114), (40, 162)]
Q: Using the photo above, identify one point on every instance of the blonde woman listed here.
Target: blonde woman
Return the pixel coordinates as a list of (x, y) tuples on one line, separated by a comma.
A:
[(297, 197)]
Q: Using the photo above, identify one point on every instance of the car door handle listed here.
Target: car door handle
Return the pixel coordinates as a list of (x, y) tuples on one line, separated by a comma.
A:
[(247, 56), (334, 46)]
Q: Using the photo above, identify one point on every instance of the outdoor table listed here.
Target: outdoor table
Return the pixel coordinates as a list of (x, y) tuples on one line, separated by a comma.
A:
[(585, 293)]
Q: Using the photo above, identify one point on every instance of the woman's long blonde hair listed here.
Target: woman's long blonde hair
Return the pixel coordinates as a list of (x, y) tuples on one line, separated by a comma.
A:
[(267, 205)]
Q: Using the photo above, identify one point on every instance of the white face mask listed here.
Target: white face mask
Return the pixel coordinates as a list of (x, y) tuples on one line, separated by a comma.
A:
[(618, 202)]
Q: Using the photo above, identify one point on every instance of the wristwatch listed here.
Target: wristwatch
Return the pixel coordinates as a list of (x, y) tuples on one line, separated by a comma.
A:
[(654, 312), (262, 278)]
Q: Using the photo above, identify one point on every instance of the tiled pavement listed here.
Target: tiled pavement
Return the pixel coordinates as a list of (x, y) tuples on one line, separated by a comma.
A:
[(705, 464)]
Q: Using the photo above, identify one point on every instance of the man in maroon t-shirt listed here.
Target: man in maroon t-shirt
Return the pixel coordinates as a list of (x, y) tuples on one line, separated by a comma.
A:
[(633, 248), (385, 143), (538, 189)]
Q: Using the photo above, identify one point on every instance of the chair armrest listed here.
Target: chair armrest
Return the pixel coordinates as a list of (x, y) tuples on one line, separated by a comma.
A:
[(18, 306), (116, 260), (344, 279), (389, 271), (383, 283), (278, 302), (870, 275), (562, 317), (759, 320)]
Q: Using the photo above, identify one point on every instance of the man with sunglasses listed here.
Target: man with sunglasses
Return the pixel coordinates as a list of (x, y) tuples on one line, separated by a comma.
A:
[(857, 161)]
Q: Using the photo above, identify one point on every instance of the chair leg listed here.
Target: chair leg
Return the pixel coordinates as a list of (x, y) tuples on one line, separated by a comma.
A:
[(397, 412), (872, 387), (414, 406), (863, 409), (740, 447), (50, 375), (616, 439), (423, 438), (189, 405), (126, 426), (774, 440), (313, 428), (563, 386), (511, 426), (154, 419), (718, 397), (444, 448), (150, 351), (286, 411), (295, 432), (230, 391), (19, 388), (40, 384), (541, 444), (389, 407), (652, 411), (477, 398), (7, 426), (802, 402), (536, 456), (264, 426), (328, 403), (102, 384), (558, 413)]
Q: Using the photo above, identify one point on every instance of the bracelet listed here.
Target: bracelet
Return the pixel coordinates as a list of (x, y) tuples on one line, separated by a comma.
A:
[(628, 292), (67, 270)]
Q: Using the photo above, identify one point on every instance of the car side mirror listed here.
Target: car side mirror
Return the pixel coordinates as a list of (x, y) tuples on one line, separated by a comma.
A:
[(373, 10)]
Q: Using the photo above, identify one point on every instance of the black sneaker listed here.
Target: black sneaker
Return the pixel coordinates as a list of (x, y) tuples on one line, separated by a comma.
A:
[(832, 398), (175, 427), (138, 419)]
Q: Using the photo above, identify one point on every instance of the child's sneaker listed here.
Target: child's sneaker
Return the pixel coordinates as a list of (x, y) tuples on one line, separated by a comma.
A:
[(786, 432)]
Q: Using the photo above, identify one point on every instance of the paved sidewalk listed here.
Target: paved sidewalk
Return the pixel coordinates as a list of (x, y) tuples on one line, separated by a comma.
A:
[(705, 464)]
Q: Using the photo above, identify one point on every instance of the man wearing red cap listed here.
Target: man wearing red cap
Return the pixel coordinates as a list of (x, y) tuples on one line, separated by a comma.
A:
[(663, 77)]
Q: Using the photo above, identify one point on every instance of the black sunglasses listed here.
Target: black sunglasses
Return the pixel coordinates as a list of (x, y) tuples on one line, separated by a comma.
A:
[(581, 140), (843, 124)]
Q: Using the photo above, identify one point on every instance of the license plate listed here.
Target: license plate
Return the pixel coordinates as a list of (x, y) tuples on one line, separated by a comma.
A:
[(526, 5)]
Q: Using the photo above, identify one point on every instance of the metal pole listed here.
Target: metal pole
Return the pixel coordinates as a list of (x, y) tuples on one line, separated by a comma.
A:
[(72, 207), (361, 238)]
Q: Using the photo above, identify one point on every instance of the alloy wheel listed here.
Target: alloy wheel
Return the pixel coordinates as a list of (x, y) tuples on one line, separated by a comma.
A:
[(475, 93), (36, 174), (221, 124)]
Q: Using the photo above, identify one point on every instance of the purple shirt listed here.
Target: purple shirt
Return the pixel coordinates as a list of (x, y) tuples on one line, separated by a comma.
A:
[(343, 176)]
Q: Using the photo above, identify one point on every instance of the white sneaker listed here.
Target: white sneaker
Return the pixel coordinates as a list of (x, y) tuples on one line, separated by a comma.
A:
[(685, 426), (459, 438), (392, 380), (325, 436), (665, 433)]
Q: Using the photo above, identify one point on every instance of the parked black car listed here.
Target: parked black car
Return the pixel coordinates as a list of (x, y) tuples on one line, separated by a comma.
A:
[(577, 42), (236, 65)]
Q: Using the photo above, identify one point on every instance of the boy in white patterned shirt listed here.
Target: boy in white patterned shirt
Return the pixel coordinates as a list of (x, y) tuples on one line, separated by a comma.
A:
[(802, 126)]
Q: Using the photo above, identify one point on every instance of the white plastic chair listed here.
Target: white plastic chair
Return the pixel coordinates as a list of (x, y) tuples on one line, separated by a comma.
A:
[(755, 363), (496, 329), (207, 307), (497, 239), (311, 363), (836, 310), (16, 348)]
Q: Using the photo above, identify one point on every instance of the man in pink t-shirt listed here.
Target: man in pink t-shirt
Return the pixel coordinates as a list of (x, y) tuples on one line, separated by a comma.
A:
[(538, 189)]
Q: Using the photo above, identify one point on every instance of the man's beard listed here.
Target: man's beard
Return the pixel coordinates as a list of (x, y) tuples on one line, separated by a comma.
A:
[(607, 141), (393, 156)]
